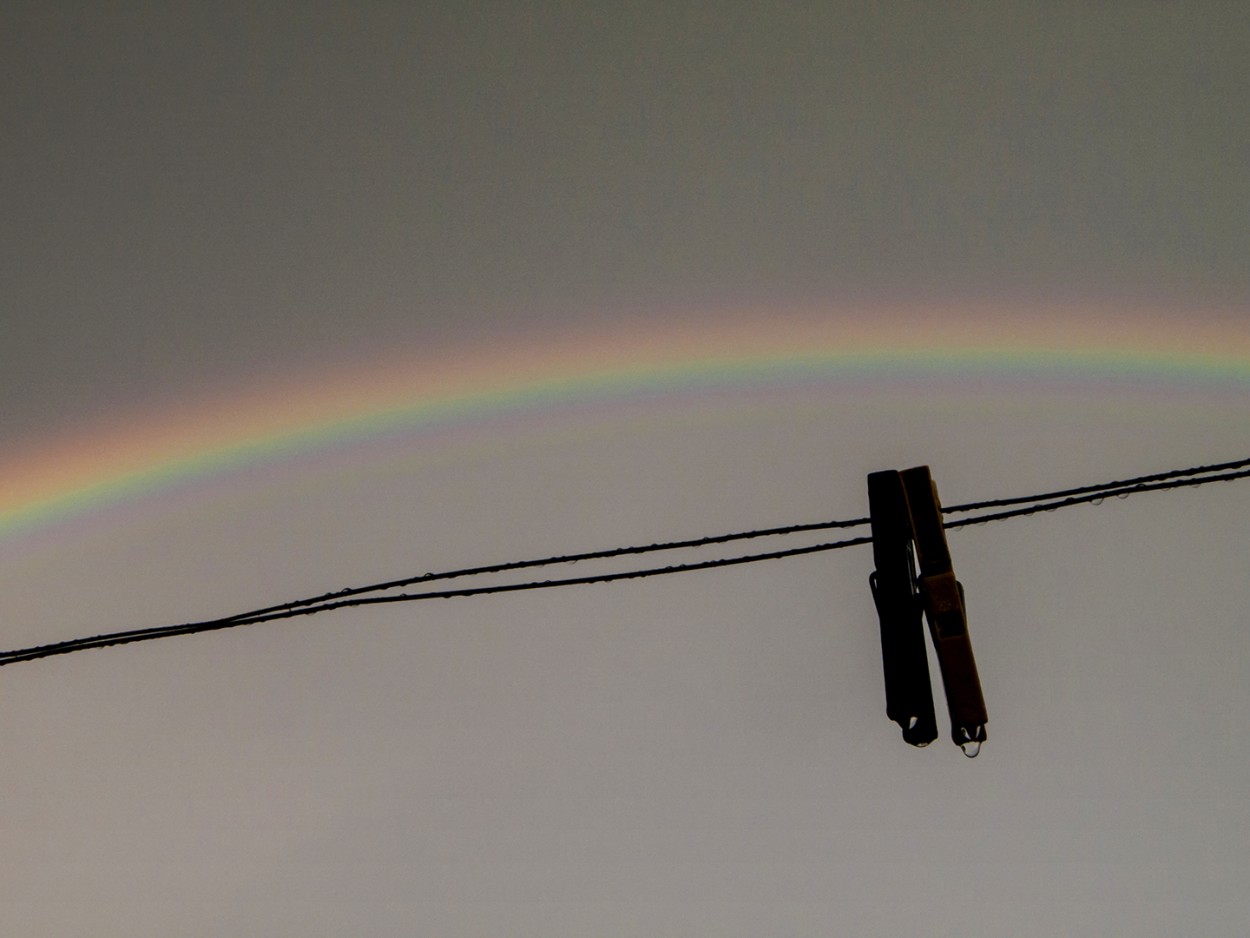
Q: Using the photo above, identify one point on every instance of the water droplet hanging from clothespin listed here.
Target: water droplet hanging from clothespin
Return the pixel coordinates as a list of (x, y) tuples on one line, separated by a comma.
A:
[(972, 740)]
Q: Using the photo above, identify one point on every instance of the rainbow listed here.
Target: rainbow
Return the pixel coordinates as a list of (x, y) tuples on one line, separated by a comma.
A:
[(140, 454)]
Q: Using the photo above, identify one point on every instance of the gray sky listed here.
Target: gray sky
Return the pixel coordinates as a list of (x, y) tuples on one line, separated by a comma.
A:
[(199, 200), (204, 194)]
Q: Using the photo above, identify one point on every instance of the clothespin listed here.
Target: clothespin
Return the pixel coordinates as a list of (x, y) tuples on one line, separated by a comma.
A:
[(935, 591), (908, 693), (943, 598)]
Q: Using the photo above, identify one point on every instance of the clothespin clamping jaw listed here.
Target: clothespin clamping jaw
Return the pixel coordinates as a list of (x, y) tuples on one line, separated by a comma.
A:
[(907, 516)]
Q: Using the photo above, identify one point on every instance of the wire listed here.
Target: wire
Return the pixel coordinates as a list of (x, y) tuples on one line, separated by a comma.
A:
[(137, 635), (563, 559), (1097, 496), (352, 597), (664, 546), (557, 560), (1100, 487)]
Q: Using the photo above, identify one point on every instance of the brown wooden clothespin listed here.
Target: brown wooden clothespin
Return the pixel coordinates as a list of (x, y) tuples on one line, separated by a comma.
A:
[(907, 517)]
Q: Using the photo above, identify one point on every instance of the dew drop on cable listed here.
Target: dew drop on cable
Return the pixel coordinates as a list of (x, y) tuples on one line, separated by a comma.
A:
[(971, 748)]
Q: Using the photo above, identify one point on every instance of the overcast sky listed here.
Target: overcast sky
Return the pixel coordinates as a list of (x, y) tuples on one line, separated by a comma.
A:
[(200, 199)]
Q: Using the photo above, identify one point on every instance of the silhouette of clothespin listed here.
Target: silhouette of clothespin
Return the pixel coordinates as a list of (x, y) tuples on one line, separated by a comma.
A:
[(908, 693), (936, 592)]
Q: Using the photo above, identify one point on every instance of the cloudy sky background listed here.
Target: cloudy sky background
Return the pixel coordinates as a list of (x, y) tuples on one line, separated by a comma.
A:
[(206, 200)]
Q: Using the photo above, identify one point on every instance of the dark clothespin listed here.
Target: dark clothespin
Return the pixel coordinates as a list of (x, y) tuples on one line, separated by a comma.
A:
[(908, 693), (899, 603)]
